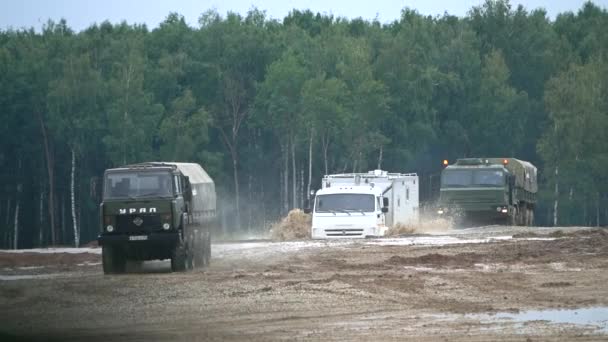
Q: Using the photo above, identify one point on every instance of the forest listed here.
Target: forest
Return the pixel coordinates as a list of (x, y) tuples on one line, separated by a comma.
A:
[(269, 106)]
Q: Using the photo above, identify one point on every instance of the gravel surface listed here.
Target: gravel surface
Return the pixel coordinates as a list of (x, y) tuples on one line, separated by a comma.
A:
[(473, 284)]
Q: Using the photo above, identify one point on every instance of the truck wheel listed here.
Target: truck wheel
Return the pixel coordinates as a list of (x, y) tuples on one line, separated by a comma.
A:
[(113, 260), (178, 258)]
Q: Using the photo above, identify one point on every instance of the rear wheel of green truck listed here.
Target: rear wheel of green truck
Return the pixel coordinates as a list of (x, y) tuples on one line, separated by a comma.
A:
[(113, 260)]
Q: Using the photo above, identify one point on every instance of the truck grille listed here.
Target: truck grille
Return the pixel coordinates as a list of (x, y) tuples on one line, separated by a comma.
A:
[(344, 232), (479, 197), (128, 223)]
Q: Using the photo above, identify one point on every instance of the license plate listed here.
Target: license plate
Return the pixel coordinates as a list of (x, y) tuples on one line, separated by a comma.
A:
[(138, 237)]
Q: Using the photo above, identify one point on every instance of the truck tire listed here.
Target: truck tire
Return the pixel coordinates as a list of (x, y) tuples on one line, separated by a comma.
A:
[(178, 257), (113, 260)]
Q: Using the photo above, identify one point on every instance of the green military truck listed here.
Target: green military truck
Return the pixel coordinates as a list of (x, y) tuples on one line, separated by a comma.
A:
[(501, 190), (157, 210)]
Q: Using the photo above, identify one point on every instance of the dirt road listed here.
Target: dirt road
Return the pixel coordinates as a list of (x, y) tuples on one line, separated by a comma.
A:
[(492, 283)]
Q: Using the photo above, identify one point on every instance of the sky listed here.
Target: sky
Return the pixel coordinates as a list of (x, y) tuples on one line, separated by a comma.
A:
[(80, 14)]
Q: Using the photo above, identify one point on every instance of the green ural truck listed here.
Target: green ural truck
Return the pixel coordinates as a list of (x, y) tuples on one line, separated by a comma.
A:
[(157, 210), (501, 190)]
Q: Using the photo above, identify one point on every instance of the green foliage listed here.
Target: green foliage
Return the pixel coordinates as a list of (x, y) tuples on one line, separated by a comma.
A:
[(247, 97), (576, 101)]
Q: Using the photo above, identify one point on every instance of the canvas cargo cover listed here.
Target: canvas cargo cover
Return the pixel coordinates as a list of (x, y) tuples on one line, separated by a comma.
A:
[(203, 187), (525, 173)]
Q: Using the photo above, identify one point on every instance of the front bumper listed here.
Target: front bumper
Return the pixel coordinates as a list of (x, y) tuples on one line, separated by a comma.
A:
[(492, 212), (156, 238), (348, 233)]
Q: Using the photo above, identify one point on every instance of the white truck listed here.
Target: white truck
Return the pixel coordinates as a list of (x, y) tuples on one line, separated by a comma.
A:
[(359, 205)]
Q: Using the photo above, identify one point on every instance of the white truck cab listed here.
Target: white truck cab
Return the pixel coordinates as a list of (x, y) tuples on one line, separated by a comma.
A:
[(348, 211), (360, 205)]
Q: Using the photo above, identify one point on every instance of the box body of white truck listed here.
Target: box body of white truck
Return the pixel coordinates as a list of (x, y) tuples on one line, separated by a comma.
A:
[(353, 205)]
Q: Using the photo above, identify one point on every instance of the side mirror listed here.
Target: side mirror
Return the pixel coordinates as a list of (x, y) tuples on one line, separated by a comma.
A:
[(312, 193), (385, 209), (307, 210), (384, 201)]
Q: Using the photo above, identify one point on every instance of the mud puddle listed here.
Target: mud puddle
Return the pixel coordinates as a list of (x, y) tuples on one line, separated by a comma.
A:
[(596, 317)]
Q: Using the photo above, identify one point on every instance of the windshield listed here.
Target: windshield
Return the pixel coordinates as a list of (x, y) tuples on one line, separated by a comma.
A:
[(465, 178), (138, 184), (345, 202)]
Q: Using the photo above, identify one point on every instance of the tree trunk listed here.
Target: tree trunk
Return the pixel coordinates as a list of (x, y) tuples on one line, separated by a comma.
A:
[(294, 172), (237, 205), (250, 204), (281, 186), (63, 234), (556, 194), (380, 158), (41, 220), (73, 200), (325, 148), (286, 177), (50, 165), (301, 192), (8, 222), (597, 210), (263, 203), (16, 226), (17, 205), (312, 133), (585, 218)]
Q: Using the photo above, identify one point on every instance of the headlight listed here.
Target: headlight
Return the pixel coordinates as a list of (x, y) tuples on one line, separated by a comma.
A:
[(504, 210), (166, 226), (110, 228), (440, 211)]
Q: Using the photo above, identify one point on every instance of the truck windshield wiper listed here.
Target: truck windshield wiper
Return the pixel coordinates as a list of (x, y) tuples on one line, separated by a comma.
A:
[(326, 211), (359, 210), (343, 211)]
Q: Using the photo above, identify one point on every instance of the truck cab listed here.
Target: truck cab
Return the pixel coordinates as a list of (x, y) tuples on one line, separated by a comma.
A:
[(343, 211), (149, 211), (500, 190)]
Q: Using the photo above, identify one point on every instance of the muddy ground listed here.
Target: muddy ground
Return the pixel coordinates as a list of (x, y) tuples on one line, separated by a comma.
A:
[(463, 285)]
